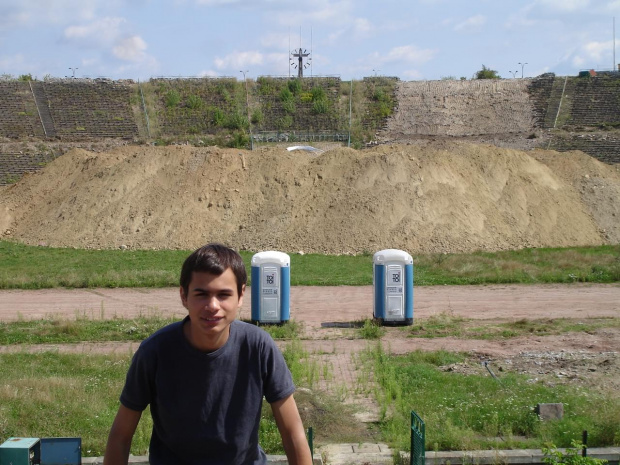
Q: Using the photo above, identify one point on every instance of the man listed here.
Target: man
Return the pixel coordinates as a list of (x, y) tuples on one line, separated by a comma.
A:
[(205, 378)]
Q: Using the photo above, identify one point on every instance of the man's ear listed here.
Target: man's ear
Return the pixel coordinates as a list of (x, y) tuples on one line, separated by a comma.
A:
[(241, 295), (183, 296)]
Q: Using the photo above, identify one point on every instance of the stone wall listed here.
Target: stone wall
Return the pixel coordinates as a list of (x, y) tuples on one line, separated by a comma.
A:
[(14, 165), (561, 113), (18, 113), (461, 108), (84, 108)]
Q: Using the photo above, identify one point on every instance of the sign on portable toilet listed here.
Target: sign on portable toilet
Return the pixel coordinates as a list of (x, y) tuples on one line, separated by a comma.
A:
[(271, 287), (392, 280)]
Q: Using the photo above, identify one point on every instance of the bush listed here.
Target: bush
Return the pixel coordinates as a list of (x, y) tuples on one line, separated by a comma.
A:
[(240, 140), (286, 95), (257, 116), (572, 456), (306, 97), (219, 118), (294, 86), (318, 93), (320, 106), (289, 106), (237, 121), (372, 330), (487, 73), (266, 86), (194, 102), (285, 122), (172, 98)]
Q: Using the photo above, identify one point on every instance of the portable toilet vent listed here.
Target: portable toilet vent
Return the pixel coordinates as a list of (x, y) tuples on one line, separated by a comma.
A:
[(392, 279), (271, 287)]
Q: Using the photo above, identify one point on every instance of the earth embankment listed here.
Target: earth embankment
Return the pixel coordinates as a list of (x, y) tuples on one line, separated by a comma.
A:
[(434, 197)]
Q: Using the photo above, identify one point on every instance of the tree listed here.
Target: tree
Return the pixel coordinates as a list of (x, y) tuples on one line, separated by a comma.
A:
[(487, 73)]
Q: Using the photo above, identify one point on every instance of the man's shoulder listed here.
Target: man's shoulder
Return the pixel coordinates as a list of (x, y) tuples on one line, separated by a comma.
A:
[(171, 333), (251, 333)]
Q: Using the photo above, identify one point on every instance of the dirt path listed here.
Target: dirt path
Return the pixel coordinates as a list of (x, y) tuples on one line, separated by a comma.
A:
[(318, 306)]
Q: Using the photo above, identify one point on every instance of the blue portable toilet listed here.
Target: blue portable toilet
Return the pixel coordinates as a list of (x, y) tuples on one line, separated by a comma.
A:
[(271, 287), (392, 280)]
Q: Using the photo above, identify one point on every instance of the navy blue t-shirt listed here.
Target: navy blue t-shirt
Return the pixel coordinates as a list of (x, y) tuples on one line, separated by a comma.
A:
[(206, 407)]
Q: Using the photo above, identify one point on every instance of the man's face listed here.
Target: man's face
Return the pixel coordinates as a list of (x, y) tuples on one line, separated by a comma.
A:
[(212, 302)]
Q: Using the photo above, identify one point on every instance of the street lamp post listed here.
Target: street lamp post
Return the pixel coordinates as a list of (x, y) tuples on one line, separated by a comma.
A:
[(73, 70), (247, 105), (350, 113), (522, 66), (514, 73)]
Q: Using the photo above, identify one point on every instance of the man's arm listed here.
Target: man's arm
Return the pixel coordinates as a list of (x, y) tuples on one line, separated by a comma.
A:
[(292, 431), (121, 434)]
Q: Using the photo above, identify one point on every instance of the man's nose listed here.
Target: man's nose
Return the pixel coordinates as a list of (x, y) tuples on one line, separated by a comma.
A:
[(212, 303)]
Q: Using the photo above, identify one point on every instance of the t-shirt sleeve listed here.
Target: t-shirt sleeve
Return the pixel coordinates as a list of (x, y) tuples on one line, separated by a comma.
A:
[(278, 380), (139, 389)]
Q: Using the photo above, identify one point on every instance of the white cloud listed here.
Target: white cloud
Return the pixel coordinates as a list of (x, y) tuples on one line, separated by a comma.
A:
[(12, 17), (412, 74), (109, 35), (472, 23), (274, 40), (239, 60), (130, 49), (324, 12), (405, 54), (208, 73), (578, 61), (363, 27), (593, 55), (12, 61), (102, 31), (596, 50), (565, 5), (34, 12)]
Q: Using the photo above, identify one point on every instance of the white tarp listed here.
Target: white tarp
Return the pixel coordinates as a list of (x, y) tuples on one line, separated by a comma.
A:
[(306, 148)]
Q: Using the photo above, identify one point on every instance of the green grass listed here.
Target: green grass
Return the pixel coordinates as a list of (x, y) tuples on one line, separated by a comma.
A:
[(50, 394), (31, 267), (471, 412), (448, 325), (69, 331), (72, 395)]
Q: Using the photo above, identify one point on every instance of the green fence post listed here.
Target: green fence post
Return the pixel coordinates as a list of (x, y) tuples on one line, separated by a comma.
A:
[(311, 440), (418, 455)]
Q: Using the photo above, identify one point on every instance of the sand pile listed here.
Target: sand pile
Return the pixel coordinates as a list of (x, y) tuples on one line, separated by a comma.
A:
[(444, 197)]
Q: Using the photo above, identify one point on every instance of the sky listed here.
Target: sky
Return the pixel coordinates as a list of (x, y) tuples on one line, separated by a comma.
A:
[(351, 39)]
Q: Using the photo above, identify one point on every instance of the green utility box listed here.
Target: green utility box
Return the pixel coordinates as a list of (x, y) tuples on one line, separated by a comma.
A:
[(20, 451)]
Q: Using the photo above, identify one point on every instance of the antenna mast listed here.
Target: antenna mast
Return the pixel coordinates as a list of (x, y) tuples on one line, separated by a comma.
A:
[(300, 55)]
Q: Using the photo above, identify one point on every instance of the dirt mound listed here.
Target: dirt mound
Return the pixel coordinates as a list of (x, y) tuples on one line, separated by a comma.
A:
[(442, 197)]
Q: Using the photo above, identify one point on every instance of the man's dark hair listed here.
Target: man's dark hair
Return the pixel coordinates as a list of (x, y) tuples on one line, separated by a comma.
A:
[(215, 259)]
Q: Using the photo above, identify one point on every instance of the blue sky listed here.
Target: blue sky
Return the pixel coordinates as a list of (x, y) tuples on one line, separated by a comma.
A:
[(410, 39)]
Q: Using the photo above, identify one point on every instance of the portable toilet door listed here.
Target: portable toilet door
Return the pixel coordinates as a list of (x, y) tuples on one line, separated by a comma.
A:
[(271, 282), (392, 277)]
